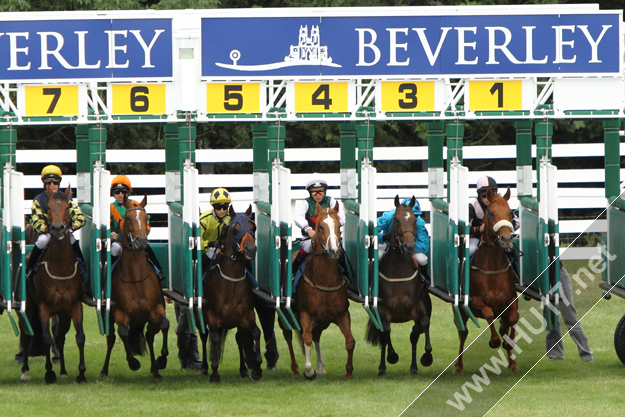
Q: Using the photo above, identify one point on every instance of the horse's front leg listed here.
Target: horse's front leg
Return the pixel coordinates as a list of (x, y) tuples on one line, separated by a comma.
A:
[(48, 340), (63, 326), (110, 343), (250, 340), (288, 337), (26, 341), (489, 316), (320, 363), (204, 337), (307, 326), (508, 323), (77, 317), (422, 324), (267, 318), (133, 363), (240, 342), (216, 335), (163, 326), (344, 323), (151, 331), (462, 335)]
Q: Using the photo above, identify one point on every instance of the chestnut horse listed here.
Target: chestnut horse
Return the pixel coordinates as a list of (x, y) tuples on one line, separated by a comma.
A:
[(402, 293), (492, 291), (321, 295), (136, 297), (56, 290), (229, 301)]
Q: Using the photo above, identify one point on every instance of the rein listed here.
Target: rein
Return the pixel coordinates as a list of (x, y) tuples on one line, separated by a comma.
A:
[(51, 275), (490, 272), (136, 282), (226, 277), (321, 287), (133, 245), (410, 278)]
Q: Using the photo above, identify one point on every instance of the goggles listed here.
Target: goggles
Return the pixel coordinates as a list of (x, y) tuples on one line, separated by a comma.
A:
[(221, 206), (315, 193), (115, 192), (52, 181)]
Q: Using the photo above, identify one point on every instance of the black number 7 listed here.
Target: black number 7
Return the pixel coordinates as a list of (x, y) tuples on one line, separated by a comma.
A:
[(56, 92)]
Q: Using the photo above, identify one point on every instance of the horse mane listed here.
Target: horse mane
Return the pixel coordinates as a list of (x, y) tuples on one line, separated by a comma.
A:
[(60, 195)]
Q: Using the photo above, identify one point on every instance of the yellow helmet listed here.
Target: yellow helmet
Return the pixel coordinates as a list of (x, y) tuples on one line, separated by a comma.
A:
[(51, 171), (121, 182), (220, 195)]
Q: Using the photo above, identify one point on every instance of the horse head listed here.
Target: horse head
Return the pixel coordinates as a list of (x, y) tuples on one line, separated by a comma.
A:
[(242, 233), (403, 230), (58, 213), (327, 239), (135, 227), (498, 220)]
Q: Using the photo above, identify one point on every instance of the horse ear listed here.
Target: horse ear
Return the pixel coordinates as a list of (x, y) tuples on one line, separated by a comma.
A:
[(336, 207), (127, 203), (144, 202), (412, 201), (231, 211), (397, 200), (507, 195), (318, 209), (248, 212), (68, 190), (489, 194)]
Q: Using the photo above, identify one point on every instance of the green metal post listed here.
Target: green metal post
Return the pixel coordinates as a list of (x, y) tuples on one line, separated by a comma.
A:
[(365, 132), (90, 147), (544, 134), (455, 134), (524, 157), (612, 159), (8, 140)]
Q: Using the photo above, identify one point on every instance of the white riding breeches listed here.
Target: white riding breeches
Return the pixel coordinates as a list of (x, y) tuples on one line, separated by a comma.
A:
[(473, 244), (44, 240), (116, 249)]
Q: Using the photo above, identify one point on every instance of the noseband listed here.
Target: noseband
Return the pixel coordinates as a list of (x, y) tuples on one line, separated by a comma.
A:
[(248, 234), (497, 226), (133, 244), (324, 246), (398, 245), (65, 228)]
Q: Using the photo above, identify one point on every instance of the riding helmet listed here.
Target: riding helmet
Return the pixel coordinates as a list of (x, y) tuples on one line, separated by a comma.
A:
[(220, 195), (315, 181), (121, 182), (51, 171), (486, 182)]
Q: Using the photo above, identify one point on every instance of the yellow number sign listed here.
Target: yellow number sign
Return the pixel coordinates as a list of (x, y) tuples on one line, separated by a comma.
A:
[(495, 95), (138, 98), (233, 98), (51, 100), (407, 96), (321, 97)]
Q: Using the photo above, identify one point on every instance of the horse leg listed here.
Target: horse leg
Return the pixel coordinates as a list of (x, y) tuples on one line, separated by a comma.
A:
[(77, 316), (204, 338), (215, 338), (242, 367), (505, 324), (63, 326), (110, 343), (288, 337), (424, 327), (414, 338), (150, 332), (163, 326), (392, 356), (250, 340), (320, 363), (344, 323), (462, 334), (307, 326), (133, 363), (267, 318), (44, 314), (26, 341), (495, 341)]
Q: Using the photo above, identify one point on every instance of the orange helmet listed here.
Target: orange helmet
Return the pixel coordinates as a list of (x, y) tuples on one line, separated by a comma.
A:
[(121, 182)]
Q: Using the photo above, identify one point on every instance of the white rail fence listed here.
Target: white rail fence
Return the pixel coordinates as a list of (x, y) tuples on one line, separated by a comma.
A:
[(389, 184)]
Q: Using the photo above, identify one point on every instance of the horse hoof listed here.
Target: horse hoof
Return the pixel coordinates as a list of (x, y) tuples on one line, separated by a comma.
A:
[(80, 379), (513, 367), (204, 371), (104, 373), (494, 343), (25, 376), (414, 370), (50, 377), (427, 359), (348, 376), (134, 364), (257, 374), (157, 376), (243, 374), (457, 370), (311, 377), (321, 371), (215, 379), (392, 358), (296, 372), (272, 360), (161, 362), (381, 373), (271, 368)]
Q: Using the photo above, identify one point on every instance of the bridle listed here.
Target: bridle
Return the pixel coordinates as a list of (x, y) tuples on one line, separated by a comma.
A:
[(398, 245), (496, 227), (248, 234), (133, 244), (324, 246), (65, 228)]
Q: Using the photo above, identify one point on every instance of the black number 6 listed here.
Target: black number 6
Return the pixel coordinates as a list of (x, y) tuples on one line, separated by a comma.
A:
[(139, 103)]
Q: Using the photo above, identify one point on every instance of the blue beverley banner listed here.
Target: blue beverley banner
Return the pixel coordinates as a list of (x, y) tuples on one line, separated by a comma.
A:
[(411, 46), (75, 49)]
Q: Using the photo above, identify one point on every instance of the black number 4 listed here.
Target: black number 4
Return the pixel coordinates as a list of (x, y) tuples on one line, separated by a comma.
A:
[(321, 96), (56, 93)]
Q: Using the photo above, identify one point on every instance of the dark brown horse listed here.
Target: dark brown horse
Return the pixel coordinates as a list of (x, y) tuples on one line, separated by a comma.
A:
[(56, 290), (492, 289), (136, 296), (229, 301), (321, 295), (402, 294)]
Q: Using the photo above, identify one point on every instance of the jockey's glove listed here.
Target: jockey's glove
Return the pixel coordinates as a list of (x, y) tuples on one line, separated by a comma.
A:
[(213, 244)]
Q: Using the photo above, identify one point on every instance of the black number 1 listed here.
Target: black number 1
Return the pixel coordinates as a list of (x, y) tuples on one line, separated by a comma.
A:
[(498, 87), (56, 93)]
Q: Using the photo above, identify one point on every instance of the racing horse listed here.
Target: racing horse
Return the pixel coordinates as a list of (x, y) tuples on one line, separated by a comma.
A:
[(228, 299), (56, 289), (136, 297), (403, 296), (492, 290), (321, 295)]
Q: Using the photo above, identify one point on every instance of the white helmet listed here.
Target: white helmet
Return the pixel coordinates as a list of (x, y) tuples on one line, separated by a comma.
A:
[(315, 181), (485, 183)]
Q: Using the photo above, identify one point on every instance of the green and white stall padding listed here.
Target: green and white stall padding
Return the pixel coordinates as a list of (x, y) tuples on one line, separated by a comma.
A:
[(361, 243), (13, 249), (96, 246), (185, 247)]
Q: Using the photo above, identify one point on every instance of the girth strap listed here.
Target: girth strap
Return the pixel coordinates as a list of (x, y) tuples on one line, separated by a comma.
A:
[(491, 272), (321, 287), (410, 278), (226, 277), (45, 263)]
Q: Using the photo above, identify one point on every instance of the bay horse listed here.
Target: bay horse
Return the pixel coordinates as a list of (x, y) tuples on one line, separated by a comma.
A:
[(136, 297), (56, 289), (321, 295), (229, 301), (402, 294), (492, 290)]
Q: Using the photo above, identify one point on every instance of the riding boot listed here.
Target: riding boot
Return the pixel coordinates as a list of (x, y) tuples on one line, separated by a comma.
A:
[(152, 257), (425, 276), (35, 254), (78, 253), (301, 257)]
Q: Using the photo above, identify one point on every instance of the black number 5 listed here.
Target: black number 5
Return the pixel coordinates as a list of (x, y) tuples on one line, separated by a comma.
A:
[(410, 102), (139, 103), (229, 94)]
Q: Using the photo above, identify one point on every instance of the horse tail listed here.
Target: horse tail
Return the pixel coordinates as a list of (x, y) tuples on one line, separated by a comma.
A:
[(136, 340), (219, 355), (373, 335)]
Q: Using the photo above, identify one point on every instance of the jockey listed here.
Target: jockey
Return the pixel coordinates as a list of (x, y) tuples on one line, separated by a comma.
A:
[(51, 176), (213, 222), (421, 238), (477, 207), (120, 188), (305, 214)]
